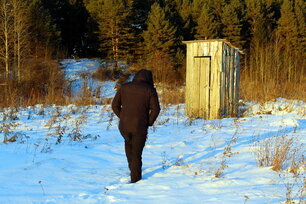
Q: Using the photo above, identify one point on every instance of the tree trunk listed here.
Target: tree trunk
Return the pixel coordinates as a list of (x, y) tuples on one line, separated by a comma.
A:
[(5, 30)]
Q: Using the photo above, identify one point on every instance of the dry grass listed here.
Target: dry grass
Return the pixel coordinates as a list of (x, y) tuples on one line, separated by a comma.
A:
[(259, 92), (164, 69), (85, 95), (169, 94), (227, 153), (76, 132), (295, 188), (42, 82), (271, 70), (8, 124), (7, 130), (59, 125), (279, 153)]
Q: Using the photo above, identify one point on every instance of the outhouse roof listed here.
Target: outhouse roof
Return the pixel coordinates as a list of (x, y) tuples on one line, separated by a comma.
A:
[(214, 40)]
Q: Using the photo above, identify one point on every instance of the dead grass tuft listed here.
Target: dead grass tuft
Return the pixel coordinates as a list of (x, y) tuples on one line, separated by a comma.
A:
[(262, 92), (170, 94), (42, 82), (227, 153), (280, 153)]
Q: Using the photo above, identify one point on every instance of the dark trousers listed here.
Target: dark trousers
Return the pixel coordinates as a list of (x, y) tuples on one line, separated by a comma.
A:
[(134, 144)]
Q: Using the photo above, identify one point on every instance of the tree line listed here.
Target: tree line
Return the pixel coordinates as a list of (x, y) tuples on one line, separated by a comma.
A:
[(149, 33)]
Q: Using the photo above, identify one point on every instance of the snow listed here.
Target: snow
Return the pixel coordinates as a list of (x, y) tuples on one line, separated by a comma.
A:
[(280, 106), (79, 72), (180, 158)]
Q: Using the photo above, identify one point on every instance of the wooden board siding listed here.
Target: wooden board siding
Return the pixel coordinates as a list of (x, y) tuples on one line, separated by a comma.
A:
[(216, 68), (211, 79), (222, 84), (231, 84), (204, 70), (237, 80), (189, 94)]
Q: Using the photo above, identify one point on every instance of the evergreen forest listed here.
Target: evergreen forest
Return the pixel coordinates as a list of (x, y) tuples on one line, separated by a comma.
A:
[(36, 34)]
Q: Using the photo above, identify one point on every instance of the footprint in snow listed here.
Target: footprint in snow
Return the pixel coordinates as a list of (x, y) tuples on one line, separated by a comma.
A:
[(117, 184)]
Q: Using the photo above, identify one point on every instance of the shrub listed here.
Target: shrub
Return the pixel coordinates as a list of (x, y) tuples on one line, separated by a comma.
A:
[(278, 152), (42, 82), (170, 94)]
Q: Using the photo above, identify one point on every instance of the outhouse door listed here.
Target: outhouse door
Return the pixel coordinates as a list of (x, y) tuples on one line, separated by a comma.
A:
[(203, 68)]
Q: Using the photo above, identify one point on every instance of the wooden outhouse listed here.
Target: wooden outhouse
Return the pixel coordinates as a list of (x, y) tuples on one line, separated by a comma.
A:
[(212, 79)]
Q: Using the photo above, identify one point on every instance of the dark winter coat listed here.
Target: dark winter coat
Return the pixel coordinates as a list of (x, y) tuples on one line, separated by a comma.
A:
[(136, 104)]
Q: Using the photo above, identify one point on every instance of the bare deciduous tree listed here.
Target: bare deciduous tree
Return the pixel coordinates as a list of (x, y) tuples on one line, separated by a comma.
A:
[(21, 31), (5, 33), (14, 31)]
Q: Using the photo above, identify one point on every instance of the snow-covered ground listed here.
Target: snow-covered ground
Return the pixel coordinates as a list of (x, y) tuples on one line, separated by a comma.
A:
[(180, 160), (79, 73)]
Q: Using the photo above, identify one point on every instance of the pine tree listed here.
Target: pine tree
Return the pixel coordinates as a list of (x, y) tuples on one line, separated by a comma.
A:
[(196, 8), (300, 13), (160, 34), (171, 8), (44, 33), (137, 21), (288, 35), (257, 22), (206, 27), (140, 11), (160, 44), (184, 10), (231, 24), (287, 25), (179, 12), (70, 18), (258, 37), (272, 14), (57, 9), (217, 8), (74, 28), (114, 29)]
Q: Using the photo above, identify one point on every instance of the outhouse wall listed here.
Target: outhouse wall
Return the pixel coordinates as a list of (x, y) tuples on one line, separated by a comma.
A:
[(212, 82), (230, 79), (203, 90)]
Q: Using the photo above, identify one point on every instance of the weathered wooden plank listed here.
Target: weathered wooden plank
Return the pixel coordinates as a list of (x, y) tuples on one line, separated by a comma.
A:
[(196, 86), (231, 82), (213, 91), (204, 87), (228, 64), (225, 79), (212, 82), (218, 70), (194, 82), (237, 86), (222, 82), (189, 76)]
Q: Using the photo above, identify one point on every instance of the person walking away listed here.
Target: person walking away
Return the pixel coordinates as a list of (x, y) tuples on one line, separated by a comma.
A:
[(137, 106)]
